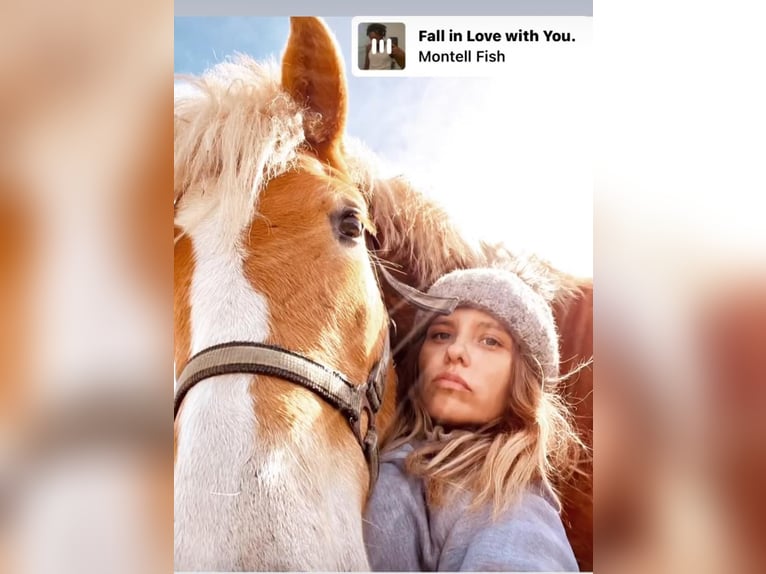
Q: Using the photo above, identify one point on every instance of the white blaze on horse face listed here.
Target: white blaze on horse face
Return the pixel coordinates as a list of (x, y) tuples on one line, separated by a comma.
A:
[(224, 305), (217, 425)]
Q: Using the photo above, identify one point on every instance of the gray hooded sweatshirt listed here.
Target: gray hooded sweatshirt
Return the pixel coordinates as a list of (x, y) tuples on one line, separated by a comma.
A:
[(402, 534)]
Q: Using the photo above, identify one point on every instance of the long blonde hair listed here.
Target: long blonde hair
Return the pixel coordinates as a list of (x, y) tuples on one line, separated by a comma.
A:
[(533, 442)]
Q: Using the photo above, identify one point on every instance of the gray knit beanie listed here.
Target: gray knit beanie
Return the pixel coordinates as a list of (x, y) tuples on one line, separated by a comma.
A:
[(508, 298)]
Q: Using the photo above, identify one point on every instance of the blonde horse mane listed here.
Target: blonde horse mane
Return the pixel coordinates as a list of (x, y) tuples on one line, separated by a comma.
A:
[(416, 236)]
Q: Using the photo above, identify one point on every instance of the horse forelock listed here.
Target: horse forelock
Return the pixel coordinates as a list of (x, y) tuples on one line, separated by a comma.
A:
[(235, 130)]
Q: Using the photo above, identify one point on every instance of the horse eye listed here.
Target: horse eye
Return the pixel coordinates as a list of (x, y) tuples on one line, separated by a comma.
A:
[(350, 225)]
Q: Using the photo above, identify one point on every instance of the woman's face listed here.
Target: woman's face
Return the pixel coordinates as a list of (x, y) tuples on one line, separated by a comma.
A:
[(465, 368)]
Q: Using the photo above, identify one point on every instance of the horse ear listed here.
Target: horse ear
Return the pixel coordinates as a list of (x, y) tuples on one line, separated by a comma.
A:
[(312, 73)]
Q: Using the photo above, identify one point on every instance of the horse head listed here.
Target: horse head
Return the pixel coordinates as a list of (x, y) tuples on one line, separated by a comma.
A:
[(281, 334)]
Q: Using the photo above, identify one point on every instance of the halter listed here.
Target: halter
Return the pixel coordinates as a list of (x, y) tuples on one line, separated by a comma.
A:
[(334, 387)]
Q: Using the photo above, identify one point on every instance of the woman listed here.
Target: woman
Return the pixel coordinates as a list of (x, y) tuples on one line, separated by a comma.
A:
[(468, 463)]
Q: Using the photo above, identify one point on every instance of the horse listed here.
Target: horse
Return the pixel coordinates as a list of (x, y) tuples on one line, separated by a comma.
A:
[(275, 289), (271, 250)]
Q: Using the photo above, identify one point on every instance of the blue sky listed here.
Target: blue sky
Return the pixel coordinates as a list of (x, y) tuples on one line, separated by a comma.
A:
[(202, 42), (508, 157)]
